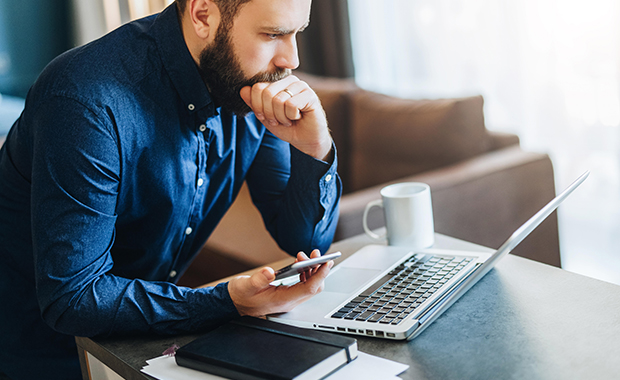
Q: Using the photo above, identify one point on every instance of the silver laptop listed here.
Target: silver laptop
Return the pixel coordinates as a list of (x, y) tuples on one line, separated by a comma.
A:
[(394, 292)]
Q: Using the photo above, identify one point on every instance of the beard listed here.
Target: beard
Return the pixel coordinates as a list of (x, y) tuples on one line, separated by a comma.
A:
[(220, 69)]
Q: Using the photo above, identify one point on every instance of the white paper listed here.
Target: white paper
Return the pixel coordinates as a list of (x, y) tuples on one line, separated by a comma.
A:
[(166, 368), (365, 367), (369, 367)]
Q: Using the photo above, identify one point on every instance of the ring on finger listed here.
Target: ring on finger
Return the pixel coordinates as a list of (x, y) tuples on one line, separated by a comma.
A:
[(288, 92)]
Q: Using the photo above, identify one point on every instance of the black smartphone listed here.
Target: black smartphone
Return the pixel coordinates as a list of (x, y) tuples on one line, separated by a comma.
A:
[(302, 266)]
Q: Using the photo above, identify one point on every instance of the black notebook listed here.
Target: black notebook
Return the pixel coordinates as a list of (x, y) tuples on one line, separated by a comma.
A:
[(252, 348)]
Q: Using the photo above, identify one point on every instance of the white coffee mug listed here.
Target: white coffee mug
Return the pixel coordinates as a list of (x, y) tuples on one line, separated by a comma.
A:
[(408, 213)]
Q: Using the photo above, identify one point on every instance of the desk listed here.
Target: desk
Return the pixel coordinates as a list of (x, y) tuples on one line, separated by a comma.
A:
[(523, 320)]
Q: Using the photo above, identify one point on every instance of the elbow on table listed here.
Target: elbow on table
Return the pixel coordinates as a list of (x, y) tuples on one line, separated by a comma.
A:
[(65, 316)]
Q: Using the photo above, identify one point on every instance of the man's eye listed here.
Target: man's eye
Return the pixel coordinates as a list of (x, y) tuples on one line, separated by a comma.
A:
[(272, 36)]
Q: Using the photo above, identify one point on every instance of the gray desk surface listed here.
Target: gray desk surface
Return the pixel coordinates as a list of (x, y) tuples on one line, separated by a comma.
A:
[(523, 320)]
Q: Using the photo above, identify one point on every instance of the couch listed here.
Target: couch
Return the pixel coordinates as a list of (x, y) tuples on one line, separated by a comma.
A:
[(483, 184)]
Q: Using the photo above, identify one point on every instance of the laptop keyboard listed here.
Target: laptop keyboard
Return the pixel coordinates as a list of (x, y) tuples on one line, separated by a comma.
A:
[(396, 295)]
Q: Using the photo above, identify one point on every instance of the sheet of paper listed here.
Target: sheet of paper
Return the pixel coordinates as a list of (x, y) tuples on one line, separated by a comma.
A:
[(166, 368), (365, 367), (369, 367)]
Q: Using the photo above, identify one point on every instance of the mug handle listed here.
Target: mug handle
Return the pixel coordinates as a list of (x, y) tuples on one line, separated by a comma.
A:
[(378, 203)]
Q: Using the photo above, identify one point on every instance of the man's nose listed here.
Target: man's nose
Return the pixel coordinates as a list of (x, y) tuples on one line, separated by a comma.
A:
[(287, 56)]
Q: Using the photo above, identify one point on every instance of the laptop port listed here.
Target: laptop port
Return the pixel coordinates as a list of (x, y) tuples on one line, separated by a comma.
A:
[(390, 335), (327, 327), (341, 329), (352, 330), (369, 332), (379, 333)]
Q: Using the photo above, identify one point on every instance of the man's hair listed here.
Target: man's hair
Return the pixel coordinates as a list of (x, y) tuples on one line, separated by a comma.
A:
[(228, 9)]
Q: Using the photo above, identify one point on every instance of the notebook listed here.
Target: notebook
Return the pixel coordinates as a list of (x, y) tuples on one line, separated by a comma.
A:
[(251, 348), (396, 293)]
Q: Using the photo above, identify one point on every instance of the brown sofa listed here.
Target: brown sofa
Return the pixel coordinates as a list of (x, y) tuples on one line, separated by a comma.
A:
[(483, 184)]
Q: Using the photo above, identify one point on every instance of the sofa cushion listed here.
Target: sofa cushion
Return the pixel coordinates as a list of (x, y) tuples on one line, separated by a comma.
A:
[(393, 137)]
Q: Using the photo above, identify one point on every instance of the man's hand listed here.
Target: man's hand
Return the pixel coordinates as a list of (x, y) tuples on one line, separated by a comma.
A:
[(252, 295), (291, 110)]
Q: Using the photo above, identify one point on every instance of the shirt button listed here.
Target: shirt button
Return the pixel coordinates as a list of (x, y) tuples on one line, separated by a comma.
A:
[(191, 107), (173, 273), (188, 230), (200, 182), (202, 128), (328, 178)]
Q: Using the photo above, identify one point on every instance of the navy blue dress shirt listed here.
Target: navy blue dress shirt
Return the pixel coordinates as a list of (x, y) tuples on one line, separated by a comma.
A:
[(112, 180)]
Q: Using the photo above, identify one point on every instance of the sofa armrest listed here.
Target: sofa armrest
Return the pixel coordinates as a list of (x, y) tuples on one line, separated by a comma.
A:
[(482, 200), (499, 140), (241, 235)]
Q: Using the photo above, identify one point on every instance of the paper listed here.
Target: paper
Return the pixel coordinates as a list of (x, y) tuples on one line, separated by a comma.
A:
[(365, 367), (369, 367), (166, 368)]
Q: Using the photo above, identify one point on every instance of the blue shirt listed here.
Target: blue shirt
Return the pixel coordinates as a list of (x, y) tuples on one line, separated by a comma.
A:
[(111, 181)]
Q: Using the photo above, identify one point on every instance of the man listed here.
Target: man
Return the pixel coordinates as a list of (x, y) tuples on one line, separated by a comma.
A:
[(128, 153)]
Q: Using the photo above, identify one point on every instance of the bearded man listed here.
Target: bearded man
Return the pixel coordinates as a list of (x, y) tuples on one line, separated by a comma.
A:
[(129, 152)]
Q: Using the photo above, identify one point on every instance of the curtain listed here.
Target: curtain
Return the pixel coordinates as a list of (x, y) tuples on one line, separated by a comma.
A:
[(325, 46), (549, 71)]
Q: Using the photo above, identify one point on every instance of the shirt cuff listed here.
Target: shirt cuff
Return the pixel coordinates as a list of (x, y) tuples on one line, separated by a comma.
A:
[(211, 306), (313, 168)]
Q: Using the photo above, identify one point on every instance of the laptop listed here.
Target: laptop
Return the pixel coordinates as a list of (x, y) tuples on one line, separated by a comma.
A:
[(394, 292)]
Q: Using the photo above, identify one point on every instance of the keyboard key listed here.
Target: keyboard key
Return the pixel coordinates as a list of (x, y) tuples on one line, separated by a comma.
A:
[(364, 316)]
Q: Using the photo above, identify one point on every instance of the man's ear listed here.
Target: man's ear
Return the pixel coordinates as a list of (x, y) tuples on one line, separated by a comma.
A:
[(204, 17)]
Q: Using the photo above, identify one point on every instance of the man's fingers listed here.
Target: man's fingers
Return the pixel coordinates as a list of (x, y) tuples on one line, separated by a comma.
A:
[(285, 103), (301, 256), (257, 100), (246, 95), (262, 97)]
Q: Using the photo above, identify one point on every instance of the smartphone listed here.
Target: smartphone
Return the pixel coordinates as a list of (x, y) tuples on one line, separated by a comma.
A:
[(302, 266)]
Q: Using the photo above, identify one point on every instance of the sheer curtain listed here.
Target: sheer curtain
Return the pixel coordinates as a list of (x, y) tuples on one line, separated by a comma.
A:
[(94, 18), (549, 71)]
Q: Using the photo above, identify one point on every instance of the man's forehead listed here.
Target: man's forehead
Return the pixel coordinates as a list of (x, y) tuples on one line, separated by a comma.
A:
[(281, 16)]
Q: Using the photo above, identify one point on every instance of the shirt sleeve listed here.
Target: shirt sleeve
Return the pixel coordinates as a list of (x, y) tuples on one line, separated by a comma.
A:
[(297, 195), (75, 182)]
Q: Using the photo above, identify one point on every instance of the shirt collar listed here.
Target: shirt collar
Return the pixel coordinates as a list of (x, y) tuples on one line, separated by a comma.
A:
[(178, 61)]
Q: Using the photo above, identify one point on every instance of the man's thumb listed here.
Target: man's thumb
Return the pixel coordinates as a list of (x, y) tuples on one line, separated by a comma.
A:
[(262, 278)]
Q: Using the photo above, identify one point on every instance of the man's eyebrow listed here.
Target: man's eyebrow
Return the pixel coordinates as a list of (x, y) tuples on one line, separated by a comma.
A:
[(284, 31)]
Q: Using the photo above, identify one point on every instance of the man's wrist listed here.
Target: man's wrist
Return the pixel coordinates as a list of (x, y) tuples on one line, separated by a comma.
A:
[(322, 152)]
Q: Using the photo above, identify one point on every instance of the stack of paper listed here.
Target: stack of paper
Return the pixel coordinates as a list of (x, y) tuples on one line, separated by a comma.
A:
[(364, 367)]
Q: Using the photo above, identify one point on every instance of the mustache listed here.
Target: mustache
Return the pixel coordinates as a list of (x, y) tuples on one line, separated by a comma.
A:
[(268, 77)]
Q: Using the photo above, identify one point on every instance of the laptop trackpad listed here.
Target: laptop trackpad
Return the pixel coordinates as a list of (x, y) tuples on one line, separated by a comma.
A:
[(346, 280)]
